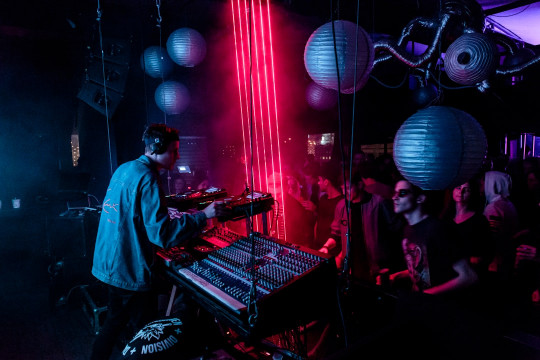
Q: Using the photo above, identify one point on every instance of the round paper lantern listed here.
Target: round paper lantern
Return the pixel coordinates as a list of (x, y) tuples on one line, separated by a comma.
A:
[(320, 59), (186, 47), (160, 339), (424, 95), (172, 97), (471, 59), (320, 98), (439, 147), (156, 62)]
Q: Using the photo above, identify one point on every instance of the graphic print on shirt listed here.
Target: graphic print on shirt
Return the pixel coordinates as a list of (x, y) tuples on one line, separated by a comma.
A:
[(417, 264)]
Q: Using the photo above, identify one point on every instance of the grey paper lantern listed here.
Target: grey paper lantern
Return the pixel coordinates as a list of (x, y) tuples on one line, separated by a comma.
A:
[(320, 98), (172, 97), (319, 56), (156, 62), (471, 59), (186, 47), (439, 147)]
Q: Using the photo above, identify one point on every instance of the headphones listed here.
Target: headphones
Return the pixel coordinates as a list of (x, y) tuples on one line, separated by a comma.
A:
[(158, 137), (158, 146)]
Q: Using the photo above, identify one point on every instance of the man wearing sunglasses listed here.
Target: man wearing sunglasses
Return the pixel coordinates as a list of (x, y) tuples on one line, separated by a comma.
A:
[(434, 262), (437, 266)]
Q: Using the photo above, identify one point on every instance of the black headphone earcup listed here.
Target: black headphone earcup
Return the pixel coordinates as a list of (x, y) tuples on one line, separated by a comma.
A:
[(158, 147)]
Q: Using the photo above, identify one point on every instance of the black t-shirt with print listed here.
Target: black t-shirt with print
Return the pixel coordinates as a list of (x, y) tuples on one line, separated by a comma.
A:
[(431, 247)]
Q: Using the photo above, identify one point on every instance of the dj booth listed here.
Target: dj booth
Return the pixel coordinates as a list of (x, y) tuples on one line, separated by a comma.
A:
[(255, 285)]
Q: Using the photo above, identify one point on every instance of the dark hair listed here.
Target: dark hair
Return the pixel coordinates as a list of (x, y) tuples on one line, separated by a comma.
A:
[(159, 134), (331, 171), (434, 199)]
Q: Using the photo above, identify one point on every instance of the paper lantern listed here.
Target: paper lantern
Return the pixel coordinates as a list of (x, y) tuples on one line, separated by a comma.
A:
[(172, 97), (439, 147), (471, 59), (424, 95), (156, 62), (160, 339), (320, 59), (320, 98), (186, 47)]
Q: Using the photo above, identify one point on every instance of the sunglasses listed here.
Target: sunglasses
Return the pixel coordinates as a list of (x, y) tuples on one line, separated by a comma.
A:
[(402, 193)]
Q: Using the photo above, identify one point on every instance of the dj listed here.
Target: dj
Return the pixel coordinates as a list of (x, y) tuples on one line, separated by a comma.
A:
[(134, 220)]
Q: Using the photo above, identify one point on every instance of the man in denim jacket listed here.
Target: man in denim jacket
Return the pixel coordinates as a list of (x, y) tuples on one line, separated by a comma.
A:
[(134, 221)]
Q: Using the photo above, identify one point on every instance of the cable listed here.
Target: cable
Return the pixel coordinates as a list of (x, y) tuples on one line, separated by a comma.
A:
[(98, 19), (510, 15), (275, 215), (340, 126), (253, 312), (390, 86)]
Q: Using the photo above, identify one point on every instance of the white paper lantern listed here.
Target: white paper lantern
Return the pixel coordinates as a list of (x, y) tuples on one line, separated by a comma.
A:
[(156, 62), (186, 47), (172, 97), (439, 147), (320, 59), (471, 59), (320, 98)]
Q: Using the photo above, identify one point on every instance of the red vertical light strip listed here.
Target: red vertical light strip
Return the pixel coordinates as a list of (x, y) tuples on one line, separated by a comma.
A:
[(245, 40), (258, 60), (240, 92), (276, 112), (253, 62), (268, 118), (257, 98)]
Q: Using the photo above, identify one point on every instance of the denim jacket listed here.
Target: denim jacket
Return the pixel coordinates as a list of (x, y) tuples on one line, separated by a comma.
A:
[(134, 219)]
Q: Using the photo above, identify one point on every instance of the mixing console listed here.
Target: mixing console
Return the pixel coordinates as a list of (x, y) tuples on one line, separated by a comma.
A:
[(293, 284)]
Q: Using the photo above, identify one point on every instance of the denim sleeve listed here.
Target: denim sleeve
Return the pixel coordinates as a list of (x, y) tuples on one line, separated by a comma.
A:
[(160, 228)]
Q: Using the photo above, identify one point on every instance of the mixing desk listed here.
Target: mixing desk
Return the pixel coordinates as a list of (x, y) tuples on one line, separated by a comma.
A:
[(292, 283)]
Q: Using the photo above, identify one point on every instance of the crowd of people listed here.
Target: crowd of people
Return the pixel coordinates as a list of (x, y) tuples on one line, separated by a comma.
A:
[(473, 246)]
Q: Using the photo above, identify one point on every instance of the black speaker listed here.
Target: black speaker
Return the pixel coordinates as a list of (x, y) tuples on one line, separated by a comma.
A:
[(94, 95), (114, 50), (115, 75), (72, 235)]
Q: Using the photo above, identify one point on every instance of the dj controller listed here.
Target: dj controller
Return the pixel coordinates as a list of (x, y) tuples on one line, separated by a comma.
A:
[(226, 271)]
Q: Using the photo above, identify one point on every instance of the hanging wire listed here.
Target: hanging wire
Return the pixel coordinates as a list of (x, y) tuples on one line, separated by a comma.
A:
[(161, 59), (253, 311), (390, 86), (98, 19), (145, 87), (514, 14), (340, 125)]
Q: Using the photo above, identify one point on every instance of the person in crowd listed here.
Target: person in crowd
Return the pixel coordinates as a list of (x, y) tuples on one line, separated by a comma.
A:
[(371, 220), (134, 222), (330, 188), (312, 190), (292, 221), (300, 213), (433, 293), (179, 185), (472, 227), (503, 221), (435, 263)]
